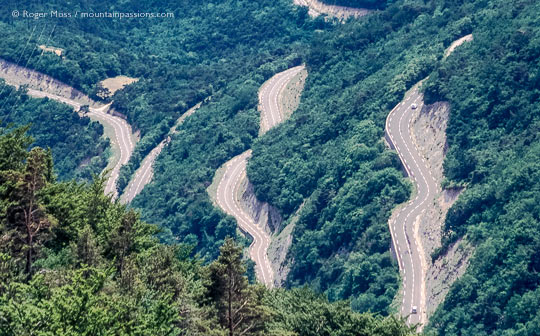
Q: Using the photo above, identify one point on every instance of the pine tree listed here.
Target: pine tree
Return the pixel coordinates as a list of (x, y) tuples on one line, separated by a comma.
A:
[(26, 222), (86, 249), (130, 236), (239, 307), (97, 205)]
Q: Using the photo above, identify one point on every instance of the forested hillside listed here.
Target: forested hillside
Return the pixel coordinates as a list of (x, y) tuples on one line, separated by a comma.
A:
[(493, 85), (222, 49), (83, 265), (330, 156), (76, 143), (228, 122)]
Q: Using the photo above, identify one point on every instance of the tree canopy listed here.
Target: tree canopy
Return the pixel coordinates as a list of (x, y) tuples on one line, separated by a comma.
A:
[(97, 269)]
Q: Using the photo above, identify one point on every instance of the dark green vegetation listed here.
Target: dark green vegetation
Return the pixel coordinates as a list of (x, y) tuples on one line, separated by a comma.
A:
[(219, 49), (253, 40), (143, 148), (369, 4), (82, 265), (493, 85), (76, 143), (330, 155)]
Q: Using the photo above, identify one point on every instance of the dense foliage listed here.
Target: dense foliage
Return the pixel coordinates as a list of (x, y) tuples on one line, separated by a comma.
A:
[(143, 148), (328, 166), (219, 49), (493, 85), (180, 61), (228, 122), (82, 265), (76, 143)]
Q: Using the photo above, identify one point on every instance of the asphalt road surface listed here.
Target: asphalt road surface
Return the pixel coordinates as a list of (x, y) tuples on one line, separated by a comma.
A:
[(228, 193), (270, 96), (121, 141), (404, 226), (143, 175), (227, 197)]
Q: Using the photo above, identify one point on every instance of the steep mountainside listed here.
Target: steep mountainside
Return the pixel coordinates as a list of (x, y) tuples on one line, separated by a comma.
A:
[(84, 265), (330, 157), (206, 50), (326, 169), (76, 142), (493, 86)]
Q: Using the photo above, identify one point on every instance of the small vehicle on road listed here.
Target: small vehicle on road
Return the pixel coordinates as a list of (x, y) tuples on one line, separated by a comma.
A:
[(414, 106), (414, 310)]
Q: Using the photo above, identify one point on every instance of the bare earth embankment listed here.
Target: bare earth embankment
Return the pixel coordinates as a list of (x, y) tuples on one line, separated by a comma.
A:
[(115, 128), (317, 8), (429, 132), (418, 133), (233, 193), (56, 51), (113, 84)]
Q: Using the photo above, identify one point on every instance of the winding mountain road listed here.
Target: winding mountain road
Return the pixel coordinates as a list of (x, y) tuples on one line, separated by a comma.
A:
[(40, 85), (270, 95), (405, 224), (404, 227), (122, 140), (116, 129), (228, 191), (143, 175), (228, 196)]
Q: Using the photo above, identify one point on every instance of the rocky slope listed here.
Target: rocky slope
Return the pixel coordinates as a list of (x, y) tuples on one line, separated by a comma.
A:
[(428, 129), (115, 127), (317, 8), (17, 75)]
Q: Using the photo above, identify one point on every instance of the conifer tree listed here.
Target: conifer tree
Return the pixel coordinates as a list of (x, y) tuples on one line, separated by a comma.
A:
[(26, 221), (239, 306)]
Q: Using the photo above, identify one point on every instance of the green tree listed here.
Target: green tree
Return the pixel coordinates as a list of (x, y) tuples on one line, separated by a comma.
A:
[(86, 249), (238, 303), (26, 220), (130, 236), (13, 145), (301, 312)]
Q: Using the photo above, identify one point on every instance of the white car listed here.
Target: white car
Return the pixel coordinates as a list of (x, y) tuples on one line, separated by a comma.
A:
[(414, 106), (414, 310)]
